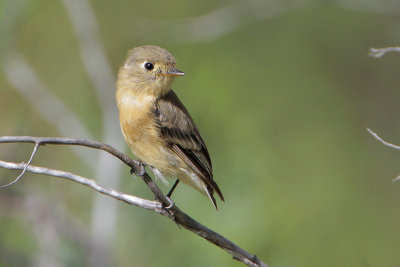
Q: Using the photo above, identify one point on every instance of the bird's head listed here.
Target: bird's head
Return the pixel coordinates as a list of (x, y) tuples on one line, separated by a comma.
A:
[(150, 68)]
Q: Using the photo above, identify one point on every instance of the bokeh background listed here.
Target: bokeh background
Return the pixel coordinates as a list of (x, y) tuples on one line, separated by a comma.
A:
[(282, 92)]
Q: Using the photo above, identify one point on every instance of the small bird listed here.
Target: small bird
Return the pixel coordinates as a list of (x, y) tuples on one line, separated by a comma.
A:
[(156, 125)]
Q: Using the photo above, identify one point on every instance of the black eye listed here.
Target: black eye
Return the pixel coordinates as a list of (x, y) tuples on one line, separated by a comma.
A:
[(148, 66)]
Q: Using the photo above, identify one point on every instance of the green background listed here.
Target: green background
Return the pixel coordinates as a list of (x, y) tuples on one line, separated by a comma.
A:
[(282, 93)]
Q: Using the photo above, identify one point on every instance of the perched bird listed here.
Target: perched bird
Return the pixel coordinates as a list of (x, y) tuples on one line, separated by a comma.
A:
[(156, 125)]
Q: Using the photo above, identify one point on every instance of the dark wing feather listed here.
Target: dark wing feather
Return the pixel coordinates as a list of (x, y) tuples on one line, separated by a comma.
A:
[(178, 129)]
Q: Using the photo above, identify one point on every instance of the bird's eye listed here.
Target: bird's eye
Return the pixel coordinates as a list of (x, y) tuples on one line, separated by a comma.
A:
[(148, 66)]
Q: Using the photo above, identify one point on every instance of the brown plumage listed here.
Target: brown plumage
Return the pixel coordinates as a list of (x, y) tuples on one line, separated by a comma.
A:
[(156, 125)]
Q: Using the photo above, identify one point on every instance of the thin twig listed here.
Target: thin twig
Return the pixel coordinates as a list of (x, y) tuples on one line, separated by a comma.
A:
[(379, 52), (381, 140), (386, 144), (133, 200), (174, 213), (137, 166), (396, 179), (24, 169)]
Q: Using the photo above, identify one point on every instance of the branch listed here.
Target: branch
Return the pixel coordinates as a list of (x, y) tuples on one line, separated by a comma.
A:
[(381, 140), (136, 201), (24, 169), (386, 144), (173, 213), (379, 52)]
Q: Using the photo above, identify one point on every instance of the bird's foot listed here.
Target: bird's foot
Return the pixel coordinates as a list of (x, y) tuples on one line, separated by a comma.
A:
[(169, 205), (138, 170)]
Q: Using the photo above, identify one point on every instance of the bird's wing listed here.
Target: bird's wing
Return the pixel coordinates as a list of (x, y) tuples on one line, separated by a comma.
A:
[(178, 129)]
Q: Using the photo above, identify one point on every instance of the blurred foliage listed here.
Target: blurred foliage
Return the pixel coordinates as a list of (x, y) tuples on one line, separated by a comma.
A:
[(283, 103)]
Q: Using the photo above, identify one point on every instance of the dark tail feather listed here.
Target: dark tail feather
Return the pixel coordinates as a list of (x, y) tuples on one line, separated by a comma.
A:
[(215, 187), (210, 193)]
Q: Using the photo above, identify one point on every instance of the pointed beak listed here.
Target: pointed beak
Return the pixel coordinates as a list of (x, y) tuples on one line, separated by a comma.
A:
[(174, 72)]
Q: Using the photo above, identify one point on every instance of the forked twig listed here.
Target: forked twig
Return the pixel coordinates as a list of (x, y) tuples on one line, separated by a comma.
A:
[(174, 213), (24, 169)]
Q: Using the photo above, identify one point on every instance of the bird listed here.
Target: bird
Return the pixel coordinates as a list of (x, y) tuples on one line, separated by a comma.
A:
[(156, 125)]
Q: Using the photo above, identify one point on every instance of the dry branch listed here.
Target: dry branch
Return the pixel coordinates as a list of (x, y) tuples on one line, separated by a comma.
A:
[(386, 144), (379, 52), (172, 212), (381, 140)]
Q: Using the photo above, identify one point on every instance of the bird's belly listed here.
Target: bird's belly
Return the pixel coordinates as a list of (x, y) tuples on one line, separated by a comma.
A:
[(157, 156), (145, 143)]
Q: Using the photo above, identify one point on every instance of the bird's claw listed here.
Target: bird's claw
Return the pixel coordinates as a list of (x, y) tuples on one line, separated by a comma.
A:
[(139, 169), (168, 206)]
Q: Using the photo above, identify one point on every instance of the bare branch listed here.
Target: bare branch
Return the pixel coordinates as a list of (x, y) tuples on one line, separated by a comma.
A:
[(133, 200), (24, 169), (386, 144), (379, 52), (174, 213), (381, 140), (396, 179)]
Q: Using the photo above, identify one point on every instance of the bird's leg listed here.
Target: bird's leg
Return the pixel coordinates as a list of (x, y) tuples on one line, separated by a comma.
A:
[(173, 188)]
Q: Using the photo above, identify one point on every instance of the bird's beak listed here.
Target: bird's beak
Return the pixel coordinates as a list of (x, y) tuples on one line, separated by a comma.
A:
[(174, 72)]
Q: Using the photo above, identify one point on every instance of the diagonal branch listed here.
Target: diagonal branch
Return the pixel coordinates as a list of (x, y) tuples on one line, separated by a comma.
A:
[(377, 137), (381, 140), (174, 213)]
